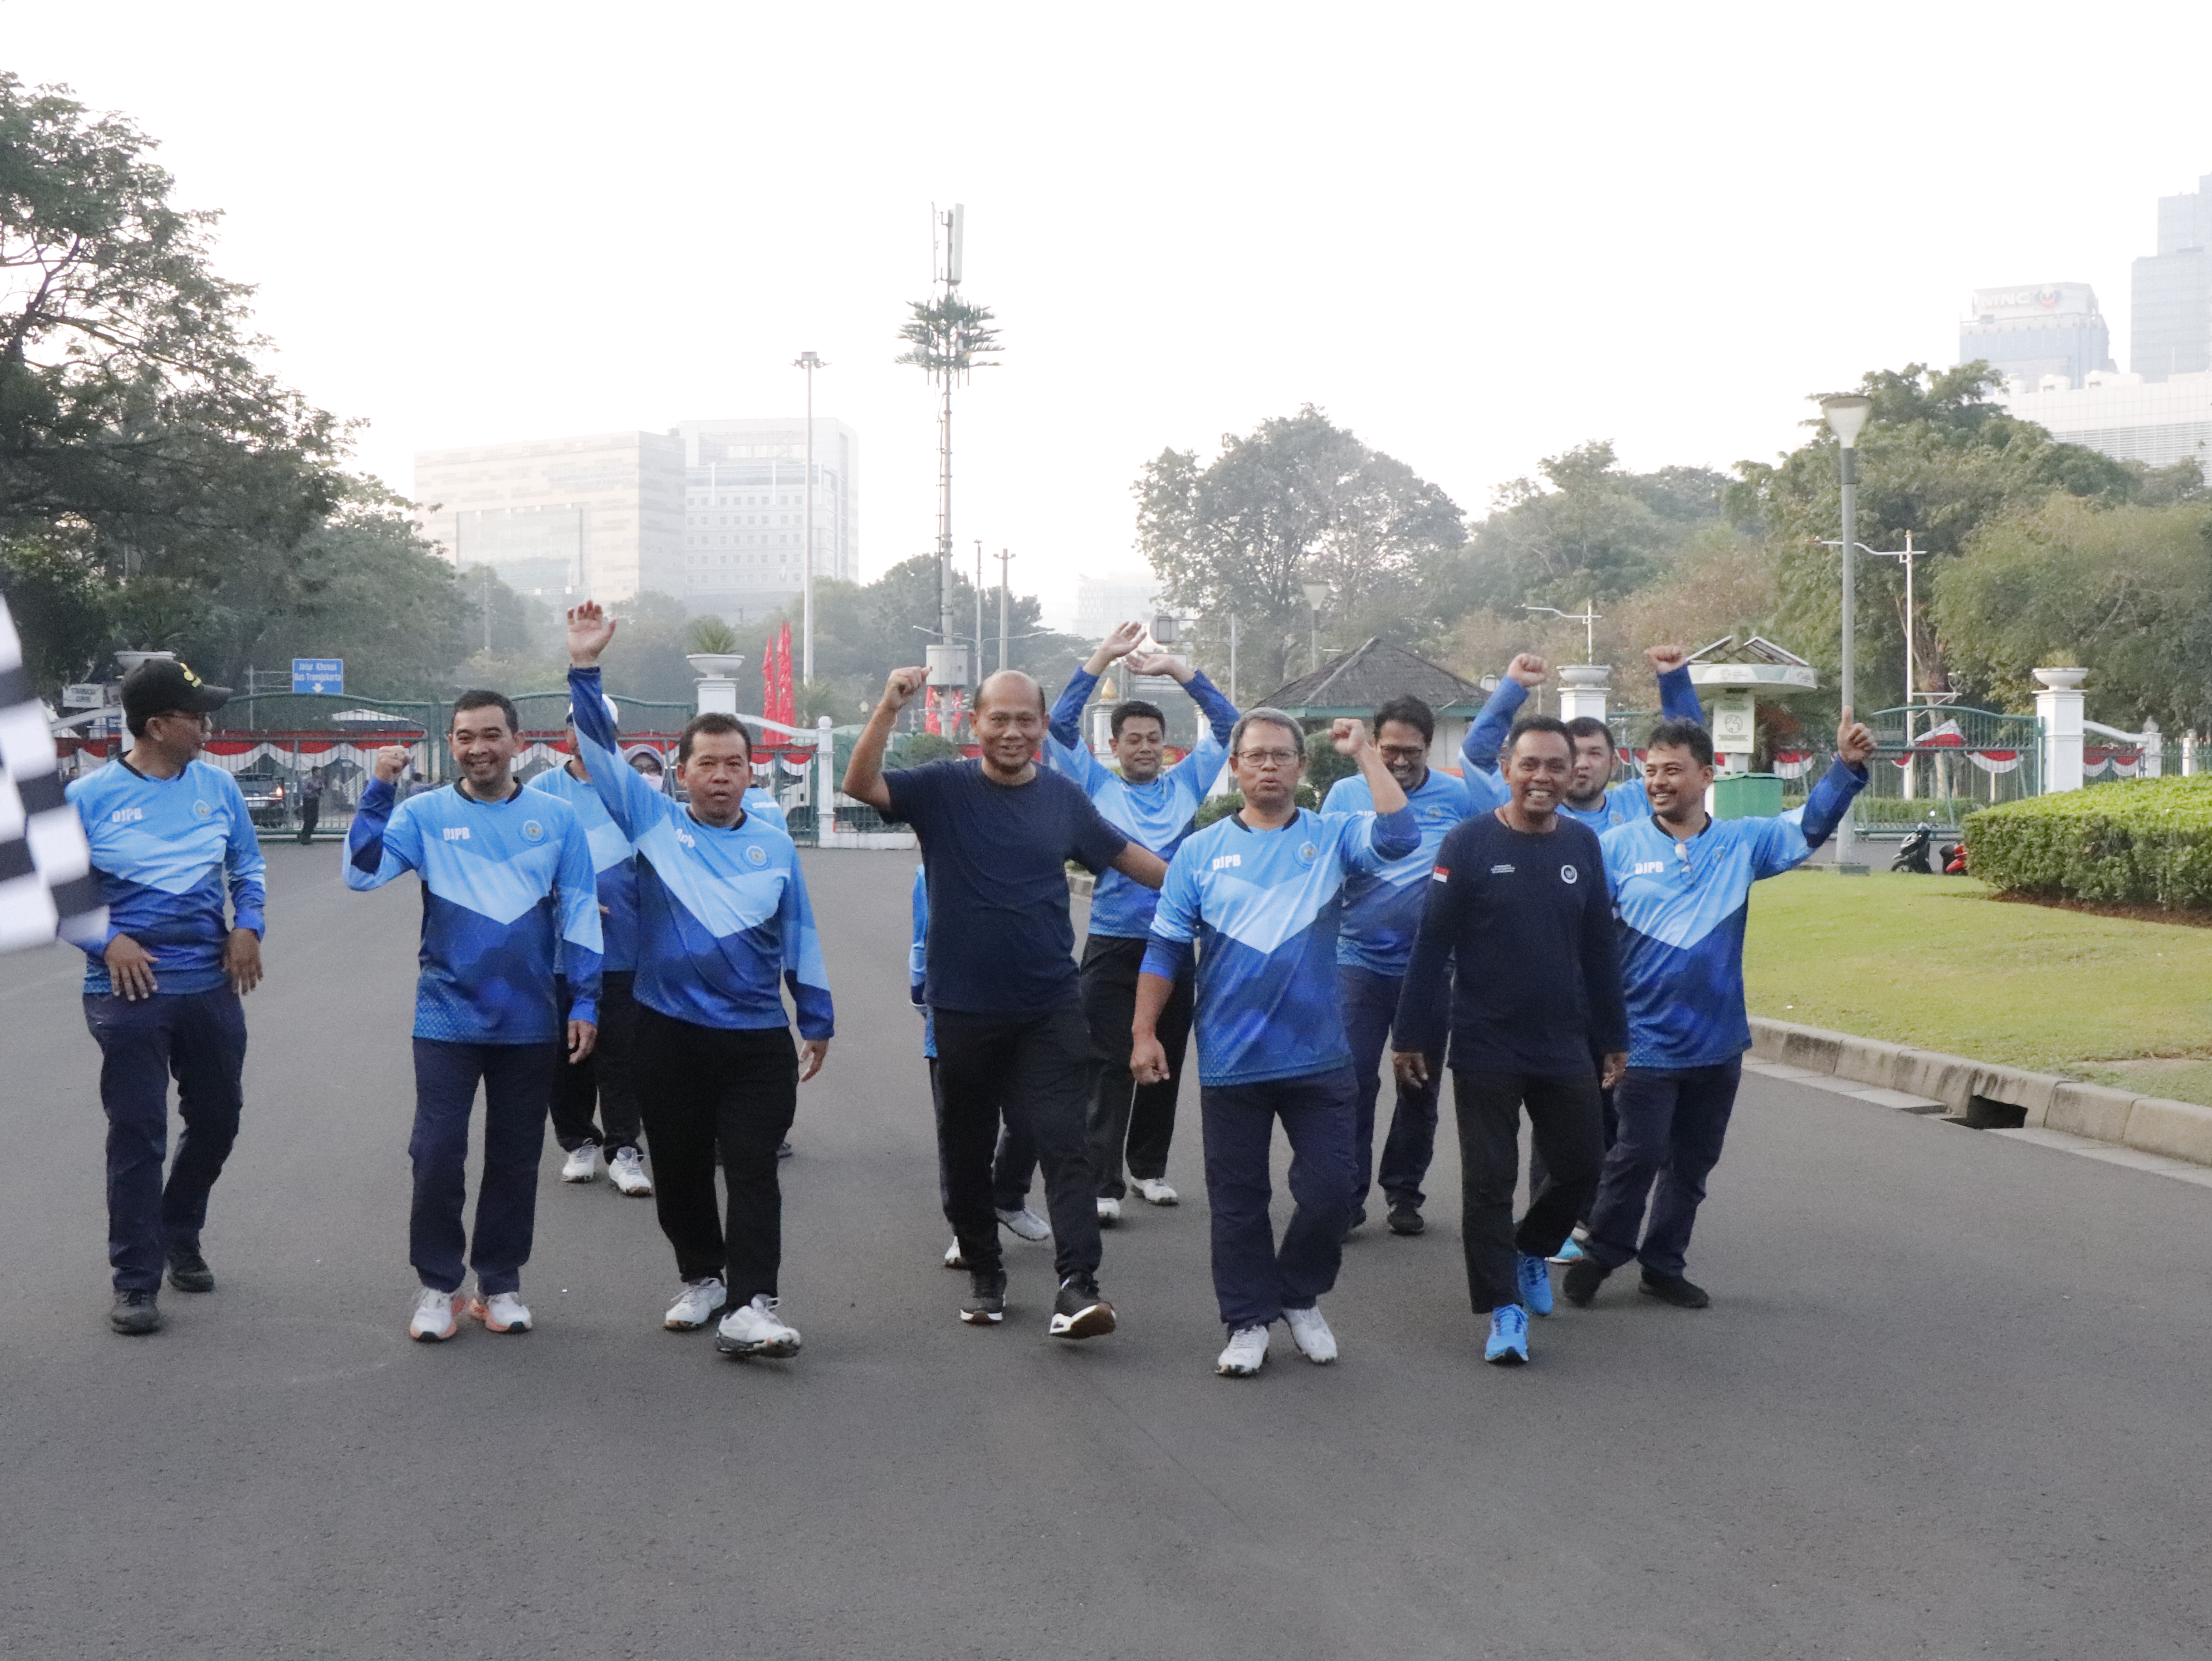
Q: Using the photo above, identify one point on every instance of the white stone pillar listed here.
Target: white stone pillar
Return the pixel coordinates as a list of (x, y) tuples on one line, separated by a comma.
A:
[(2154, 751), (825, 781), (1582, 690), (717, 688), (2189, 754), (2059, 711)]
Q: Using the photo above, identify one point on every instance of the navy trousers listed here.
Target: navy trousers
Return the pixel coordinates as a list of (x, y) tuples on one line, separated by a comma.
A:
[(1012, 1166), (1253, 1279), (596, 1100), (1371, 1004), (1126, 1116), (200, 1039), (1672, 1126), (518, 1084)]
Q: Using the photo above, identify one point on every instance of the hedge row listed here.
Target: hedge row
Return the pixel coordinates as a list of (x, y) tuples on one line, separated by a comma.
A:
[(2147, 842)]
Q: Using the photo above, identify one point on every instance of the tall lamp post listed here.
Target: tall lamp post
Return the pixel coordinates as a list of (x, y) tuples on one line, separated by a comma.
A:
[(1316, 597), (809, 361), (1847, 416)]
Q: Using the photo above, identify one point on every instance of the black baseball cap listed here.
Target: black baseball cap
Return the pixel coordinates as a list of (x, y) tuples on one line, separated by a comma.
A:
[(159, 685)]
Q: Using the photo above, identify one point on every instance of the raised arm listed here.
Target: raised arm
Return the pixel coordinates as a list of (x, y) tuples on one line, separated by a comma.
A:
[(1220, 714), (864, 773), (1485, 735), (1678, 698), (377, 848), (634, 805), (1828, 802)]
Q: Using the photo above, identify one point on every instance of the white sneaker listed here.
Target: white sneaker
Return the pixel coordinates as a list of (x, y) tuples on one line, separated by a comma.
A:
[(582, 1164), (701, 1302), (504, 1312), (1311, 1334), (436, 1315), (1248, 1348), (1109, 1213), (1154, 1190), (953, 1259), (755, 1330), (1026, 1225), (627, 1172)]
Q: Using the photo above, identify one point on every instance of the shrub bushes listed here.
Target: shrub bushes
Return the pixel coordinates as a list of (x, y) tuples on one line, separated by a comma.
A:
[(2147, 841)]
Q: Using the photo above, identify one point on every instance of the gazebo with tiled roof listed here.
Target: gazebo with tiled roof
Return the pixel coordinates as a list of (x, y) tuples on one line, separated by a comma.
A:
[(1372, 674)]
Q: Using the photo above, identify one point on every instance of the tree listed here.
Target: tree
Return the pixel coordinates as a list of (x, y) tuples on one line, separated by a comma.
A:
[(2125, 591), (1589, 531), (1298, 500)]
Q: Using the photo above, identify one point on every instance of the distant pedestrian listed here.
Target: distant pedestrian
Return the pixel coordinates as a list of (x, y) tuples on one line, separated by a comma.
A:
[(1517, 941), (311, 804), (1681, 884), (172, 839), (1156, 808), (507, 881), (996, 836), (1258, 893)]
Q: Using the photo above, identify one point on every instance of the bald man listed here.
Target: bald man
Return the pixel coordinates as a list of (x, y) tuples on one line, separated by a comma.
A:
[(1000, 974)]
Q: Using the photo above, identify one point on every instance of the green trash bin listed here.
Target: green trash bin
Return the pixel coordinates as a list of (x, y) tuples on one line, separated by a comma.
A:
[(1748, 796)]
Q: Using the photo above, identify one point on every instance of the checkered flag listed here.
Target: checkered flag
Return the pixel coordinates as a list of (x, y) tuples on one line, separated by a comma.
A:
[(46, 884)]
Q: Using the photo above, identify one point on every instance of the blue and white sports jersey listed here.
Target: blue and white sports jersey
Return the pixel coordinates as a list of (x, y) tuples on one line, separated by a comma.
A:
[(507, 885), (761, 804), (1157, 816), (1382, 912), (160, 851), (723, 923), (612, 857), (917, 962), (1624, 802), (1262, 906), (1682, 906)]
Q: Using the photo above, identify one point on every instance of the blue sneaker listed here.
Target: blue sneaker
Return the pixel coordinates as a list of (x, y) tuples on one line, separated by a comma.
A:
[(1535, 1284), (1509, 1336), (1567, 1255)]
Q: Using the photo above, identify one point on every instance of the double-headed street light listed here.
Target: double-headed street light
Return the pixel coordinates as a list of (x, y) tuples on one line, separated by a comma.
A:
[(1847, 416), (809, 361)]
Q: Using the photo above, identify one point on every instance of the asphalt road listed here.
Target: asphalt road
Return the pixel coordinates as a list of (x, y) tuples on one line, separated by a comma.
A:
[(1949, 1400)]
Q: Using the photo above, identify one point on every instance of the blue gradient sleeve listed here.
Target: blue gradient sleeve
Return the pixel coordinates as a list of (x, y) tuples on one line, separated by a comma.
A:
[(634, 805), (249, 891), (1390, 837), (1486, 734), (380, 845), (581, 941), (1828, 803), (1220, 714), (1068, 712), (804, 971)]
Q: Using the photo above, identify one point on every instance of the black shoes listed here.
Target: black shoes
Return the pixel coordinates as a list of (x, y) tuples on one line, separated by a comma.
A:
[(1405, 1219), (188, 1271), (783, 1150), (1079, 1310), (135, 1314), (985, 1304), (1355, 1220), (1673, 1289), (1581, 1281)]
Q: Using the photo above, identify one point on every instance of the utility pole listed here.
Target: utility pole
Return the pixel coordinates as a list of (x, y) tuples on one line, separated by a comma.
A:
[(487, 609), (809, 361), (1232, 657), (975, 674), (1004, 556)]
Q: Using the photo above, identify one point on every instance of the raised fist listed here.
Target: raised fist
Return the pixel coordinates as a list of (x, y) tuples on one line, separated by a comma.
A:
[(1529, 668), (1349, 735), (1665, 660), (899, 689), (1853, 742), (390, 762)]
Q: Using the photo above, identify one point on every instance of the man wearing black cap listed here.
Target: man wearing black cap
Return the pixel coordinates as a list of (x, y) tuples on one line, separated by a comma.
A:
[(169, 833)]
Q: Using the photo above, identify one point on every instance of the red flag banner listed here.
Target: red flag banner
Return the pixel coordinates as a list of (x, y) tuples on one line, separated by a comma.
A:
[(787, 709), (768, 678)]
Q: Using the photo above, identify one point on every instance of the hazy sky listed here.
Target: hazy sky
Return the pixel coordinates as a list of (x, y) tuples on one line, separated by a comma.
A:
[(1475, 234)]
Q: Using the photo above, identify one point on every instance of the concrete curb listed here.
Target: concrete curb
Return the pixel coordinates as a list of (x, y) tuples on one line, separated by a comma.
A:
[(1989, 1097)]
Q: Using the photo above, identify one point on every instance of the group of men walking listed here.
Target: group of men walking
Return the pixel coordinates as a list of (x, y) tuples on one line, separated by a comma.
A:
[(1563, 946)]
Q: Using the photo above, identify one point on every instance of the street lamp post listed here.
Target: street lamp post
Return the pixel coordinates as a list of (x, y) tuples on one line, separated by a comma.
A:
[(1316, 597), (1005, 554), (1846, 416), (809, 361)]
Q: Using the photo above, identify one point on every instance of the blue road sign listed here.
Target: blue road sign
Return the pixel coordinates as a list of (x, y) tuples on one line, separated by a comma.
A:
[(319, 674)]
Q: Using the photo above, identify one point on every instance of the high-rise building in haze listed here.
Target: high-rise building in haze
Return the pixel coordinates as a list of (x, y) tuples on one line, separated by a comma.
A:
[(1102, 604), (2171, 325), (710, 512), (2046, 335)]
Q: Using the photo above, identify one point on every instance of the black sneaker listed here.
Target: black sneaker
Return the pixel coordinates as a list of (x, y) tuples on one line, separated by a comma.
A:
[(1405, 1218), (1581, 1281), (985, 1305), (135, 1313), (1080, 1312), (783, 1150), (1673, 1289), (188, 1271), (1356, 1219)]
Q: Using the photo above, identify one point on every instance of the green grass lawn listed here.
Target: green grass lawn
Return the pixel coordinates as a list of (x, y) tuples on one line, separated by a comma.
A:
[(1936, 963)]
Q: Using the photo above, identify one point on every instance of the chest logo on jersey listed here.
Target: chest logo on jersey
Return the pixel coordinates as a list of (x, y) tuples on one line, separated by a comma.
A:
[(457, 833), (1228, 859), (126, 815), (1568, 873), (201, 810), (532, 831), (1501, 870), (1307, 853), (1649, 868), (755, 855), (1440, 875), (684, 836)]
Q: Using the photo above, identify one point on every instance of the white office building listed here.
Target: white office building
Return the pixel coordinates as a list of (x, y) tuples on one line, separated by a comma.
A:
[(745, 522), (2155, 422), (1102, 604)]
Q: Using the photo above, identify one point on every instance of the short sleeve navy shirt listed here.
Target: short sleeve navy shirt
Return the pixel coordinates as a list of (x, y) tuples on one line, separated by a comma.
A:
[(995, 856)]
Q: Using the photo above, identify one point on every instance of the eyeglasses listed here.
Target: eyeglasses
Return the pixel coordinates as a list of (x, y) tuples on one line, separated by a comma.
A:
[(1402, 752), (1268, 760)]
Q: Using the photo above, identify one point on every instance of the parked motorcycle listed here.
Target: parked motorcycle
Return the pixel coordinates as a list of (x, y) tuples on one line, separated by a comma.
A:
[(1955, 860), (1912, 852)]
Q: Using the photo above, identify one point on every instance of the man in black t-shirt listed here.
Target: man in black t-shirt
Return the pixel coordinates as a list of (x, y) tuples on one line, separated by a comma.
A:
[(999, 973), (1518, 936)]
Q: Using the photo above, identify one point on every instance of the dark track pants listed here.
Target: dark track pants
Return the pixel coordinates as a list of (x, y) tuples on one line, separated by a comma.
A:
[(199, 1039), (1037, 1067), (1371, 1004), (1564, 1122), (1253, 1279), (1012, 1166), (518, 1081), (1125, 1114), (1673, 1123), (596, 1100), (708, 1092)]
